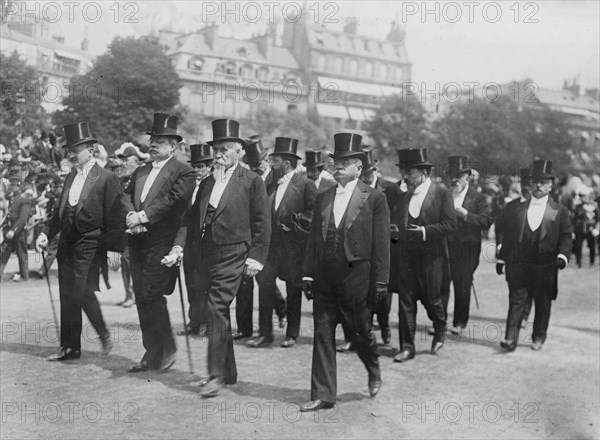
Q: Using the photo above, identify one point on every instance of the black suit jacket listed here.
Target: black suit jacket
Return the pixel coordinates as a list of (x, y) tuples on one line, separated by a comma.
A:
[(478, 219), (243, 214), (366, 227), (555, 233), (299, 197), (100, 209), (392, 193)]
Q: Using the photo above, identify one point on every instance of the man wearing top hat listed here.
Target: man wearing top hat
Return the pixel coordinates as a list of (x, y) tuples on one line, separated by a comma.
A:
[(290, 194), (536, 243), (230, 223), (158, 197), (90, 208), (256, 157), (392, 194), (201, 160), (464, 245), (315, 170), (424, 219), (348, 249)]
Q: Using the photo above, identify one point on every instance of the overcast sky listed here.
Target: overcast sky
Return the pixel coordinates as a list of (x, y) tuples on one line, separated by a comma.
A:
[(461, 41)]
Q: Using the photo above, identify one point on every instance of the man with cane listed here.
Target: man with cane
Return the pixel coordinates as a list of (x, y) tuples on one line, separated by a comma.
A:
[(90, 208)]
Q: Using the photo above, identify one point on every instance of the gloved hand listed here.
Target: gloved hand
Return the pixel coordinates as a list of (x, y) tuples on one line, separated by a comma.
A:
[(307, 289), (414, 233), (174, 257), (10, 234), (395, 233), (41, 243), (381, 293), (499, 268), (560, 263), (133, 219)]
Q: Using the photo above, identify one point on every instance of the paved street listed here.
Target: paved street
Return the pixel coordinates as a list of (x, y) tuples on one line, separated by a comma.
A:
[(469, 390)]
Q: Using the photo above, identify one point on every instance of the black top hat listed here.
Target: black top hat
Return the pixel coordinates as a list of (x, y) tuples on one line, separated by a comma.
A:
[(130, 151), (525, 175), (286, 147), (255, 152), (226, 130), (370, 162), (200, 153), (347, 145), (165, 125), (457, 165), (77, 134), (313, 159), (412, 158), (541, 169)]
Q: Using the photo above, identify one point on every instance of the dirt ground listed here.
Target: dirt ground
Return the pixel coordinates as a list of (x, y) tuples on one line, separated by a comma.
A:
[(471, 389)]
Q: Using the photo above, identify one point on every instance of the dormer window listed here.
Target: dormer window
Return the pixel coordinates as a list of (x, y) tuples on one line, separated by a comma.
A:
[(242, 52), (196, 63), (320, 39)]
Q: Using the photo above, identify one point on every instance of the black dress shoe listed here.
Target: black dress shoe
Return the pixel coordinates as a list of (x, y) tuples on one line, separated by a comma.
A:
[(288, 342), (239, 335), (107, 344), (65, 354), (345, 347), (404, 355), (315, 405), (508, 345), (139, 368), (212, 387), (261, 342), (386, 335), (374, 387), (436, 346), (189, 331)]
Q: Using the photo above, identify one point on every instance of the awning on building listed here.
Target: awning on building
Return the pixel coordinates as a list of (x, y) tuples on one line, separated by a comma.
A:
[(575, 111), (356, 114), (347, 86), (332, 111), (65, 54)]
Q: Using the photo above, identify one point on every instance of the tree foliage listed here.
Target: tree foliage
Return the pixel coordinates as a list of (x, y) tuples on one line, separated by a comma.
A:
[(119, 95), (20, 98)]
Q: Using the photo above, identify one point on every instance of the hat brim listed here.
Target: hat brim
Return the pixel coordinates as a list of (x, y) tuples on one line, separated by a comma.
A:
[(414, 165), (459, 172), (313, 165), (176, 136), (255, 162), (543, 176), (79, 142), (295, 156), (349, 154), (370, 166), (201, 159), (227, 139)]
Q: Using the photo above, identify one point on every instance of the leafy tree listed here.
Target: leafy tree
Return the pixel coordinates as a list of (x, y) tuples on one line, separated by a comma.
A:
[(119, 95), (20, 98)]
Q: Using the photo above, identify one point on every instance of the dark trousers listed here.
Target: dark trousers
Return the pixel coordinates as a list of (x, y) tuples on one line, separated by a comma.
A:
[(341, 293), (151, 282), (422, 275), (18, 245), (524, 281), (220, 270), (464, 259), (52, 250), (244, 304), (580, 237), (196, 298), (79, 262), (126, 274), (284, 262)]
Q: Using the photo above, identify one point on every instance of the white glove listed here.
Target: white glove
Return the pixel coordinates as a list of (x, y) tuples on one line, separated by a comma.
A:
[(174, 257), (595, 232), (41, 243)]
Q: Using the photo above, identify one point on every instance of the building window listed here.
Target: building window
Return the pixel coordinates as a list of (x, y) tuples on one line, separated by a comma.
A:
[(321, 63), (262, 73), (291, 108), (368, 70), (353, 67), (196, 63), (246, 71), (242, 52), (338, 65), (230, 68)]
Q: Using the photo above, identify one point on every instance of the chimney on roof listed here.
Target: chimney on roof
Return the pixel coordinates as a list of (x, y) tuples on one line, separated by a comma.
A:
[(211, 33), (396, 33), (265, 42), (59, 39), (593, 93), (573, 87), (351, 26)]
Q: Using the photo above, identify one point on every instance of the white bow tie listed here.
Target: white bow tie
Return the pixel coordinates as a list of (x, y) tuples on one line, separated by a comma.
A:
[(537, 202), (339, 190)]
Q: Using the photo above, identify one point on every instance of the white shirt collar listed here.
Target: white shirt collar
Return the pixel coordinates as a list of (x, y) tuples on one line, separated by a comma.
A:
[(374, 182), (463, 193), (265, 174), (287, 177), (539, 202), (160, 164), (85, 169), (349, 188), (423, 187)]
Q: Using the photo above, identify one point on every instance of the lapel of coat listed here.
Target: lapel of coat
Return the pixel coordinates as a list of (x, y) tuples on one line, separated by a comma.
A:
[(406, 196), (157, 185), (230, 189), (549, 216), (139, 186), (91, 178), (357, 200), (65, 194), (203, 197), (289, 193), (427, 203), (327, 204)]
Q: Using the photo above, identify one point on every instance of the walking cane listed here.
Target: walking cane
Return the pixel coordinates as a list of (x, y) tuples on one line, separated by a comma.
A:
[(475, 295), (50, 293), (187, 336)]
